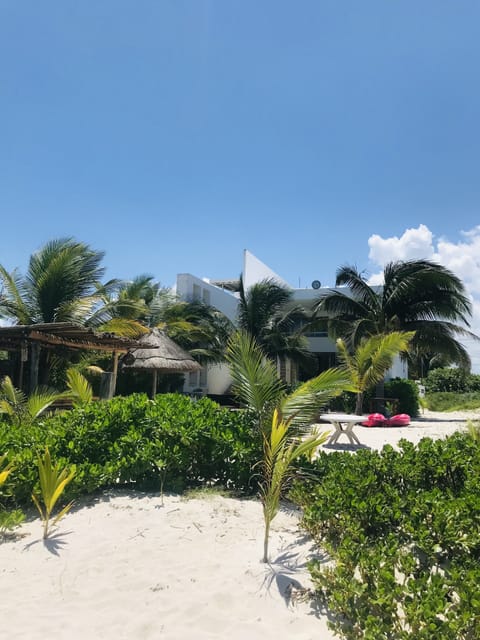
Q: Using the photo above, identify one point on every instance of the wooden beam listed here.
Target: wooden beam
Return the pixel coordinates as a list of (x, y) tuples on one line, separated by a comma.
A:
[(101, 345)]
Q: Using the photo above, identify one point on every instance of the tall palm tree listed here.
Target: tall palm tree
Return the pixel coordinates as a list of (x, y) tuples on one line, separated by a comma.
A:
[(417, 295), (266, 312), (62, 284), (59, 286)]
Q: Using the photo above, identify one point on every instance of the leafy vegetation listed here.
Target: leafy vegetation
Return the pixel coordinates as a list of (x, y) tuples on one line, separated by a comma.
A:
[(417, 295), (283, 419), (402, 528), (9, 519), (19, 408), (371, 359), (451, 379), (53, 480), (280, 451), (129, 441), (267, 313), (406, 393), (453, 401)]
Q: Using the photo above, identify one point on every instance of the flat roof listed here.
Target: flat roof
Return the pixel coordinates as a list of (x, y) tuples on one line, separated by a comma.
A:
[(64, 334)]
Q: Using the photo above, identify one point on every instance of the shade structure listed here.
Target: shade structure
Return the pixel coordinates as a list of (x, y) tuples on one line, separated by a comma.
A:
[(159, 354), (28, 340)]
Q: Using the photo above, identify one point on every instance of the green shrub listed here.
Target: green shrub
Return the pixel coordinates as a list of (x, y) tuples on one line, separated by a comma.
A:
[(453, 401), (406, 391), (345, 402), (403, 530), (447, 379), (473, 382), (127, 441)]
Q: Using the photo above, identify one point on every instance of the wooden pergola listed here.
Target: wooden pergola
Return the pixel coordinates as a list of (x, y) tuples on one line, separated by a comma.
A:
[(28, 340)]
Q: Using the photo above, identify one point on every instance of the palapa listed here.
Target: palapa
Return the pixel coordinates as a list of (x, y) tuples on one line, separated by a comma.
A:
[(159, 353)]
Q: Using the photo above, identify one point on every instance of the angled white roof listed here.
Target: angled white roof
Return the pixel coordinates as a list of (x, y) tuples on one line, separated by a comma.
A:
[(254, 270)]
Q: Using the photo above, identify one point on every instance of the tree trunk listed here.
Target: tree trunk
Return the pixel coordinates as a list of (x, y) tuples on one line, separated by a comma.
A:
[(265, 541), (359, 404)]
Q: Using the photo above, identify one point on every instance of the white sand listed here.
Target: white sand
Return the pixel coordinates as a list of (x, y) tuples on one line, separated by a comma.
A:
[(124, 566), (430, 424)]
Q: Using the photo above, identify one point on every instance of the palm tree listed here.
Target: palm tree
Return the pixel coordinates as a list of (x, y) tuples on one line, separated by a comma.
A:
[(284, 419), (371, 359), (60, 284), (417, 295), (267, 313), (199, 328)]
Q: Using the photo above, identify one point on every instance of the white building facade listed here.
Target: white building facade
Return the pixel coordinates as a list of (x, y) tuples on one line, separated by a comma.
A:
[(221, 294)]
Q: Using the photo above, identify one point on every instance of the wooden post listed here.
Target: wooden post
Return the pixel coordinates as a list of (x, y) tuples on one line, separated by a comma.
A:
[(23, 358), (115, 373), (34, 362), (154, 384)]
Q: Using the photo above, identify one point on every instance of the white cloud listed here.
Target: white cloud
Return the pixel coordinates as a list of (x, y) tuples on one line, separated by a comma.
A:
[(463, 258), (412, 245)]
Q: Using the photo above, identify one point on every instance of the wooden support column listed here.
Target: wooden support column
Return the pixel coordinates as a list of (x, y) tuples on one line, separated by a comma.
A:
[(114, 374), (154, 384), (34, 363), (23, 357)]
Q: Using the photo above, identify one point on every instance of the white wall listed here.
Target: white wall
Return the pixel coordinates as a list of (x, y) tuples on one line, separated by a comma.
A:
[(219, 379), (399, 369), (192, 288)]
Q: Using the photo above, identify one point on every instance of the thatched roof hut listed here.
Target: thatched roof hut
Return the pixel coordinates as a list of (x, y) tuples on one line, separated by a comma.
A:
[(159, 353)]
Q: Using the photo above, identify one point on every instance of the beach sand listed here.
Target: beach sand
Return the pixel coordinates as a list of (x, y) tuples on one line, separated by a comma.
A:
[(124, 566)]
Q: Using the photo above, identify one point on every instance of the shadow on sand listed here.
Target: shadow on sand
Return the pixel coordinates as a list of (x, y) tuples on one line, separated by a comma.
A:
[(53, 544)]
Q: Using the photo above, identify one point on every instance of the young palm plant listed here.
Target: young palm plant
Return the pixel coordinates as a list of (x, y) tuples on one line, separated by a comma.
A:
[(20, 409), (280, 451), (53, 481), (371, 360), (284, 419), (8, 519), (80, 390)]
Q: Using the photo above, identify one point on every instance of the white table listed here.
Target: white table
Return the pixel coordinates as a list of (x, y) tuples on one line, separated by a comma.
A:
[(343, 423)]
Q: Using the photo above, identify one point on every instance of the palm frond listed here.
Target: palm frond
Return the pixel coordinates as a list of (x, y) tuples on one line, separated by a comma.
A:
[(255, 379), (79, 387), (303, 406)]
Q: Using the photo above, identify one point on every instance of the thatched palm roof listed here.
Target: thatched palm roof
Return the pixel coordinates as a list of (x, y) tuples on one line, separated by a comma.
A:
[(159, 353)]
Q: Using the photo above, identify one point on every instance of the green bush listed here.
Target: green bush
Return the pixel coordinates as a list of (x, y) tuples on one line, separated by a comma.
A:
[(403, 530), (406, 391), (126, 441), (345, 402), (446, 379), (453, 401), (473, 382)]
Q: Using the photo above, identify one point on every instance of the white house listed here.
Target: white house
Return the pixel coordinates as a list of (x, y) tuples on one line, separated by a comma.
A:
[(223, 295)]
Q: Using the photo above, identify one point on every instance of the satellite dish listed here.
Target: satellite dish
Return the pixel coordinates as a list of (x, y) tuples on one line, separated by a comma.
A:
[(316, 284)]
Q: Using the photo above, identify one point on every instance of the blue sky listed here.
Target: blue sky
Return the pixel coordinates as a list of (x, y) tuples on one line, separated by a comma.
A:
[(174, 134)]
